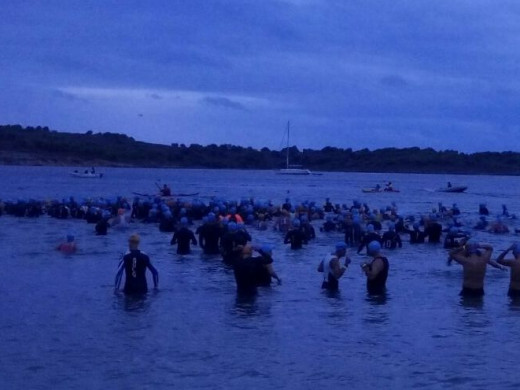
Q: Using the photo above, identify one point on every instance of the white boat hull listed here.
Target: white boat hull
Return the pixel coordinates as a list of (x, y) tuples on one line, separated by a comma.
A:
[(293, 171), (88, 175)]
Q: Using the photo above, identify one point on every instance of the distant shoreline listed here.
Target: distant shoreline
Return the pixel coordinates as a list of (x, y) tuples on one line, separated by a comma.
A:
[(43, 147)]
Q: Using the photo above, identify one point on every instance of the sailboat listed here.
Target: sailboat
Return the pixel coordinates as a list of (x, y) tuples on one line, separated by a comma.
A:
[(291, 169)]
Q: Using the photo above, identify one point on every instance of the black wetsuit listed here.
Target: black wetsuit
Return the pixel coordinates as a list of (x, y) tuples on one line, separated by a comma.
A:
[(309, 231), (392, 240), (367, 239), (246, 273), (102, 227), (416, 236), (228, 244), (434, 232), (209, 238), (262, 275), (329, 226), (183, 237), (378, 284), (513, 293), (296, 237), (469, 292), (331, 284), (134, 264)]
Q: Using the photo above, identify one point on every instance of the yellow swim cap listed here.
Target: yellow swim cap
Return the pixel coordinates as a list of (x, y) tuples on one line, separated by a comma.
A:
[(134, 238)]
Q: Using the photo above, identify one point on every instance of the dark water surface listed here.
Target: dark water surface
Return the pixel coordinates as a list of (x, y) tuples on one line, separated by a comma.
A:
[(62, 327)]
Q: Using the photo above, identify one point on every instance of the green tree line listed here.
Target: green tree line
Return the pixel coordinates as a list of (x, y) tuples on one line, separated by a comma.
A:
[(49, 147)]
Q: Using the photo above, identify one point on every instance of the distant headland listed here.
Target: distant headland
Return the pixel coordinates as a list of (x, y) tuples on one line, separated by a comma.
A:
[(42, 146)]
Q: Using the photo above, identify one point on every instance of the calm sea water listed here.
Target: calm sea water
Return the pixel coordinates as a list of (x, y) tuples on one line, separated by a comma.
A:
[(62, 327)]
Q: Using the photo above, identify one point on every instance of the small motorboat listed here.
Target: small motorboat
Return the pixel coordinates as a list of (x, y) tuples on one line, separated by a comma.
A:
[(375, 189), (86, 175), (453, 189)]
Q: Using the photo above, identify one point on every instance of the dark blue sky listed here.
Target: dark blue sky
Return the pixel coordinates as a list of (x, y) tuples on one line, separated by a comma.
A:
[(356, 74)]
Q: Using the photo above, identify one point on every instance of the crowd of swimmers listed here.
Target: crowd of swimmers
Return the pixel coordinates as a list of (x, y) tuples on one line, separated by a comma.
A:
[(225, 226)]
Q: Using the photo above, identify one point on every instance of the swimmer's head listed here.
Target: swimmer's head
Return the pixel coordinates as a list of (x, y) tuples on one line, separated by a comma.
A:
[(370, 228), (134, 239), (296, 223), (471, 246), (232, 226), (373, 248), (184, 221), (341, 247), (70, 238)]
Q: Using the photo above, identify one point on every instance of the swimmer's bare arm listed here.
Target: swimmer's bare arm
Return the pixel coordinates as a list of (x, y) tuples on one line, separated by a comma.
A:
[(458, 255), (272, 272), (501, 257)]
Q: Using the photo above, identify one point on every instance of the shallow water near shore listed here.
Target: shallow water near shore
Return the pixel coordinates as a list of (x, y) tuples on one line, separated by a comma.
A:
[(62, 327)]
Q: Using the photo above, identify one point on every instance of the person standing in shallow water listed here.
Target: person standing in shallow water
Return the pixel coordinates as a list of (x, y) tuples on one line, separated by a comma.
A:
[(332, 269), (134, 264), (514, 264), (474, 258), (183, 237), (377, 270)]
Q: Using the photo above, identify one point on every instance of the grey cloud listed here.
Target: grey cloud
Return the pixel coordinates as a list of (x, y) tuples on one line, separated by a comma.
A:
[(224, 103)]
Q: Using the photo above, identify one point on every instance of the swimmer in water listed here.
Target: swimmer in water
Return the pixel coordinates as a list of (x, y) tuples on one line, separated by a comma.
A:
[(183, 237), (134, 264), (377, 270), (514, 264), (296, 237), (264, 266), (332, 268), (69, 246), (474, 258), (370, 235)]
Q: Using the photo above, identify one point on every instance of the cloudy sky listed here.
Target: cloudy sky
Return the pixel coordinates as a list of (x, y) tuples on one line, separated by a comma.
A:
[(346, 73)]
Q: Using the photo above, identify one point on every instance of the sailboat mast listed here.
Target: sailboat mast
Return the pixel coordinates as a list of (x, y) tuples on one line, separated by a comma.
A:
[(287, 149)]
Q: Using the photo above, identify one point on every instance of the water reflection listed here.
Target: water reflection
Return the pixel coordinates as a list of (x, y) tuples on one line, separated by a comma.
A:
[(377, 299), (472, 302), (132, 303), (514, 304), (245, 305), (377, 314)]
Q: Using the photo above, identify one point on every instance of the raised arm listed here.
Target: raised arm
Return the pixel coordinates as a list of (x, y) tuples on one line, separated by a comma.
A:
[(501, 257)]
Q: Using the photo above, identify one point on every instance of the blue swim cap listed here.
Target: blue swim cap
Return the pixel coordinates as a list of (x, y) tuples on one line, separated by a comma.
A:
[(370, 228), (232, 226), (373, 247), (453, 230), (70, 238), (296, 223), (471, 246), (341, 246), (184, 221)]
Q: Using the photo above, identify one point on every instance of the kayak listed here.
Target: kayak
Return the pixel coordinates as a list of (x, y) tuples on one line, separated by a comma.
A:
[(87, 175), (453, 189), (374, 190), (162, 196)]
